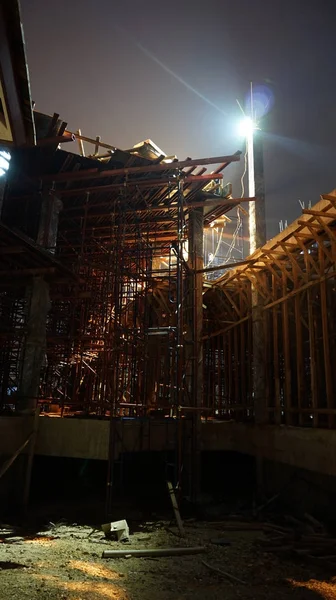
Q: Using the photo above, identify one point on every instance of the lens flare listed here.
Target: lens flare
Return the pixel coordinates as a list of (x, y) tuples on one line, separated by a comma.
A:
[(262, 100)]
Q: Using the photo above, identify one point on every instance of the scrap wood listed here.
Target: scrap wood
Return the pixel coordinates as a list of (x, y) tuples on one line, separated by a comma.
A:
[(277, 494), (302, 539), (270, 527), (223, 573), (316, 524), (318, 539), (322, 560), (225, 526), (277, 549), (299, 524)]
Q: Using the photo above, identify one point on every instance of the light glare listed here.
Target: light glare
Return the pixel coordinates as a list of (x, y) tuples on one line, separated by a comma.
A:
[(247, 126), (4, 162)]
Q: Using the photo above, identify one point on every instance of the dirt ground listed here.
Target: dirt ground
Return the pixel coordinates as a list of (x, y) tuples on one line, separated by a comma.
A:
[(64, 562)]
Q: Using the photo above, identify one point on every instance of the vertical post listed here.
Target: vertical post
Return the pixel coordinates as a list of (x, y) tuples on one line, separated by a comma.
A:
[(257, 208), (276, 371), (312, 354), (196, 259), (258, 239), (35, 343), (48, 226), (287, 354), (300, 370), (326, 352), (38, 302)]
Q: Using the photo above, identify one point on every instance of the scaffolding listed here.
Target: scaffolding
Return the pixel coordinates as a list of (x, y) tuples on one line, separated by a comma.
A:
[(115, 336)]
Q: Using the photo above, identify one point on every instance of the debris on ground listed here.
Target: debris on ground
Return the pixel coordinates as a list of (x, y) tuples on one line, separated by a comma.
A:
[(306, 539), (118, 530), (63, 561)]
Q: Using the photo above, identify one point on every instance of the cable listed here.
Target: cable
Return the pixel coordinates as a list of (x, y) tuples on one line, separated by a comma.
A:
[(243, 175), (238, 226), (217, 248)]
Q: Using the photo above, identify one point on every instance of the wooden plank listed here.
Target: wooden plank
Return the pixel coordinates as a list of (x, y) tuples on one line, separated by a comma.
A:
[(97, 144), (80, 145), (229, 355), (146, 183), (242, 352), (300, 378), (286, 351), (176, 508), (219, 369), (300, 289), (97, 173), (320, 213), (226, 329), (312, 354), (276, 353), (307, 256), (327, 229), (231, 301), (276, 366), (326, 348), (237, 399)]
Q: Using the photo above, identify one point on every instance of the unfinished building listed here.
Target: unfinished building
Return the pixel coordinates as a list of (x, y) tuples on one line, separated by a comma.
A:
[(112, 330)]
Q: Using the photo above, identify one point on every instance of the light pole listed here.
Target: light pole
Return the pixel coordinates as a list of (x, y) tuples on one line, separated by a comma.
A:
[(257, 237), (247, 128), (256, 186)]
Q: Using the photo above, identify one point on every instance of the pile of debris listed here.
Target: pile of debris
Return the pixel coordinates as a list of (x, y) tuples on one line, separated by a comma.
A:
[(304, 538)]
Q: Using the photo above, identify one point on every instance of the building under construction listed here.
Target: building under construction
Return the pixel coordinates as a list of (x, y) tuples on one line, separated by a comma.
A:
[(117, 336)]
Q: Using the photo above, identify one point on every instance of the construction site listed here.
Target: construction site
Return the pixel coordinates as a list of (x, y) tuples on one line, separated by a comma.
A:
[(150, 364)]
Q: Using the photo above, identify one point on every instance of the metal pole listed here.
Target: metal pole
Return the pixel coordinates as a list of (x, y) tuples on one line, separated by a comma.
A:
[(259, 190), (196, 259), (257, 233)]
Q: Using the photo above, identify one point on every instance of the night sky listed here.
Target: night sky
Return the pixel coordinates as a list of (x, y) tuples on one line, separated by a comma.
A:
[(171, 71)]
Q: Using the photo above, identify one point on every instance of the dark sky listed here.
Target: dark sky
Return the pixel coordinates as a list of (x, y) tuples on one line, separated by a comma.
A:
[(96, 62)]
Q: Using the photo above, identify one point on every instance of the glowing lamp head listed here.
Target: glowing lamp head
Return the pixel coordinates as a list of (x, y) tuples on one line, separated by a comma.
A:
[(247, 127)]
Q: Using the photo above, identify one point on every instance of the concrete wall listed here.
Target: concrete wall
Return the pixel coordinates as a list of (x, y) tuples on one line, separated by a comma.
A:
[(86, 438), (310, 449)]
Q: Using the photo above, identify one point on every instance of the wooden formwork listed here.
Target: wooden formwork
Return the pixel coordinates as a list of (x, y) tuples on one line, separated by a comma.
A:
[(294, 278)]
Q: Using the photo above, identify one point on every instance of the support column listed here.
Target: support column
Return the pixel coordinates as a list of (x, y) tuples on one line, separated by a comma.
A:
[(257, 208), (48, 226), (197, 263), (38, 305), (35, 342)]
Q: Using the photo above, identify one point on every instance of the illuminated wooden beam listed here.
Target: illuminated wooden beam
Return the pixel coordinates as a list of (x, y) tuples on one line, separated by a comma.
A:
[(98, 173)]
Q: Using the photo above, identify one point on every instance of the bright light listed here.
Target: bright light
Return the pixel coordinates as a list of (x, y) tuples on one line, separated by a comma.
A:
[(247, 126), (4, 162)]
